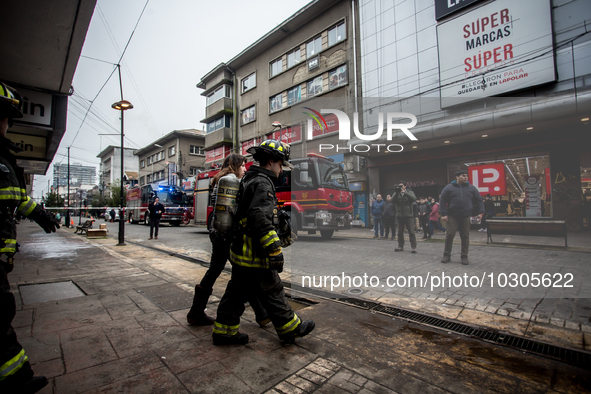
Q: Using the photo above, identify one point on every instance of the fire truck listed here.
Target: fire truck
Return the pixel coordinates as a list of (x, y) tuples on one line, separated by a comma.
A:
[(317, 196), (172, 197)]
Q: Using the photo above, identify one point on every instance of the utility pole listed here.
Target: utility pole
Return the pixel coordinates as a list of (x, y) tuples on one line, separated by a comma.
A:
[(68, 212)]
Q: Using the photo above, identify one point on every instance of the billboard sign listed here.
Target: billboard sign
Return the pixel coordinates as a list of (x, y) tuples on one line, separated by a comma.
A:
[(488, 179)]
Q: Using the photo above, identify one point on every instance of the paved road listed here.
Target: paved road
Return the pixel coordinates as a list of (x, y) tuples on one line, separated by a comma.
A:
[(371, 269)]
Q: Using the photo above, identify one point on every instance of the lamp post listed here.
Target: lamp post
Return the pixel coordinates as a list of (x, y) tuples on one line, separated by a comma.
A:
[(122, 106)]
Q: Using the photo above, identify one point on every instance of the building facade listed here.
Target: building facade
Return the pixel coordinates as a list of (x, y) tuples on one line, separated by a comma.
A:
[(110, 167), (500, 88), (173, 158), (79, 175)]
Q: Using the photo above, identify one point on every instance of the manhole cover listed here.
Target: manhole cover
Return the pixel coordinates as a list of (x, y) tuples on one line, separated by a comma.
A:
[(50, 292), (355, 290)]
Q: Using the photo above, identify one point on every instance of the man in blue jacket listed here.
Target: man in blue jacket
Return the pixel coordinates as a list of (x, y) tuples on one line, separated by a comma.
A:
[(459, 201), (377, 210)]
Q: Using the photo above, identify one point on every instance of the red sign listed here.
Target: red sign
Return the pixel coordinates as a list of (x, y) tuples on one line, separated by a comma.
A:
[(250, 144), (489, 179), (331, 121), (133, 194), (217, 154), (288, 135)]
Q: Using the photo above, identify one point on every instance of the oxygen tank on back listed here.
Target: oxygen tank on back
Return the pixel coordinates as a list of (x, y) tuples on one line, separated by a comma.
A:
[(225, 203)]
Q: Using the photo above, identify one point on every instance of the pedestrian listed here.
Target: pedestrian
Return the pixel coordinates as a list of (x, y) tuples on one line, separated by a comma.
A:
[(424, 213), (415, 214), (155, 210), (112, 214), (16, 375), (256, 253), (459, 201), (234, 167), (403, 200), (377, 210), (389, 218), (489, 212), (434, 217)]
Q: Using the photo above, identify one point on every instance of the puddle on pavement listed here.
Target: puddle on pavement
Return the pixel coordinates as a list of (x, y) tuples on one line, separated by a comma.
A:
[(48, 248), (44, 292)]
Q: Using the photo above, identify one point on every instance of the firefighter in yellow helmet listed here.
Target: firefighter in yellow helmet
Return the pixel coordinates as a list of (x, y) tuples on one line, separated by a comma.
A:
[(16, 375), (256, 253)]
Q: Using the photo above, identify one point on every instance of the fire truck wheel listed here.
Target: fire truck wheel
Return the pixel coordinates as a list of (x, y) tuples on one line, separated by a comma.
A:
[(326, 234), (147, 220)]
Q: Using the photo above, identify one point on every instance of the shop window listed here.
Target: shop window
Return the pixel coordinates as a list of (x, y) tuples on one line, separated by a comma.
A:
[(315, 86)]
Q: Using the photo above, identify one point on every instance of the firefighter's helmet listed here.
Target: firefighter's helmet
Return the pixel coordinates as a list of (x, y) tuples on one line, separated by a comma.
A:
[(9, 102), (275, 149)]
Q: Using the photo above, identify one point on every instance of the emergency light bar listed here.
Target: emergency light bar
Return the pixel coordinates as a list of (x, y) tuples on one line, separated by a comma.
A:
[(319, 156)]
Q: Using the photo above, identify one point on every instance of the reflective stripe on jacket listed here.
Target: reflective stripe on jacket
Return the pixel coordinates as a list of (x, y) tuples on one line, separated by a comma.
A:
[(256, 213), (13, 365)]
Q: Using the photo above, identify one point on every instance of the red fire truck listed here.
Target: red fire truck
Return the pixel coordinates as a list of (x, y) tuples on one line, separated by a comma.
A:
[(172, 197), (316, 194)]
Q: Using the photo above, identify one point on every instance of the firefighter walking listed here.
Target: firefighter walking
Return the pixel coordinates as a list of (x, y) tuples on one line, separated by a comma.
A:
[(256, 253), (16, 375)]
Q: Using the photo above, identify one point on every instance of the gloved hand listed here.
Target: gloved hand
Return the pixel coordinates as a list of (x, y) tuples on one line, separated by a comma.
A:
[(286, 236), (287, 240), (276, 260), (46, 221)]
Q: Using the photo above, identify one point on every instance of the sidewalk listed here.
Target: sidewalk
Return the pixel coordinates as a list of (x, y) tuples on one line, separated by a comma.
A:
[(125, 331)]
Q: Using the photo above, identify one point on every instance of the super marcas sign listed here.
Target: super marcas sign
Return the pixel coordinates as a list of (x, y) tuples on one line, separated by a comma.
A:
[(502, 46), (488, 179)]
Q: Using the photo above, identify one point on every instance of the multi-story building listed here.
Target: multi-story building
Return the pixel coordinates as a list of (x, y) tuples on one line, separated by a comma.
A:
[(171, 159), (498, 87), (79, 175), (110, 168), (311, 54)]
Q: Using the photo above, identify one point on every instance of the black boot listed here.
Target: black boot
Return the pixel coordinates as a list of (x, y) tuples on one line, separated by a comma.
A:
[(23, 381), (238, 339), (197, 316), (302, 330)]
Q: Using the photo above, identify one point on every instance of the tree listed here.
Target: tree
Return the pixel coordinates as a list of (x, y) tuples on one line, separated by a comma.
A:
[(115, 200), (53, 200)]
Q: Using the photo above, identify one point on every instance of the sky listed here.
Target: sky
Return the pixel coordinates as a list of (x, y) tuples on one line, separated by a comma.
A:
[(173, 46)]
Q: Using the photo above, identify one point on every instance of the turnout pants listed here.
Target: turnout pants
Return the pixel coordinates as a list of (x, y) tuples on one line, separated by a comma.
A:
[(263, 284), (454, 224), (13, 361)]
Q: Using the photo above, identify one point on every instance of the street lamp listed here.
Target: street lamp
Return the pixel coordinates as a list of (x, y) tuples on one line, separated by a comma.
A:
[(122, 106)]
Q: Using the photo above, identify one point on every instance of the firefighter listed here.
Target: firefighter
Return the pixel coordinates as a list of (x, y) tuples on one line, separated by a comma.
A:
[(256, 253), (16, 375)]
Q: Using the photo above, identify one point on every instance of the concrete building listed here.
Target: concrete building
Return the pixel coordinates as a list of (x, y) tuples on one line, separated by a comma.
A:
[(35, 62), (501, 88), (309, 55), (173, 158), (110, 167), (79, 175)]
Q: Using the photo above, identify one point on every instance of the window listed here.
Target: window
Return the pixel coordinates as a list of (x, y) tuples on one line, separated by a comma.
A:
[(276, 67), (277, 102), (159, 156), (249, 82), (294, 95), (194, 170), (171, 151), (142, 163), (142, 180), (315, 86), (149, 178), (248, 115), (336, 34), (313, 47), (196, 150), (222, 121), (161, 175), (149, 160), (221, 92), (293, 58), (337, 77)]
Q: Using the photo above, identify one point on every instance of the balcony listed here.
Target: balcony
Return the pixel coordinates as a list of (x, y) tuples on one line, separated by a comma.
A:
[(218, 138), (220, 107)]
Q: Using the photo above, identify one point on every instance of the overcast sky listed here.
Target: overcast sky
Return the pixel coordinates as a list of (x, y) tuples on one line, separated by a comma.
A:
[(174, 45)]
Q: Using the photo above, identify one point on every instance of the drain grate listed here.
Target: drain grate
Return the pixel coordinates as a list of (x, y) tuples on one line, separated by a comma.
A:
[(560, 353)]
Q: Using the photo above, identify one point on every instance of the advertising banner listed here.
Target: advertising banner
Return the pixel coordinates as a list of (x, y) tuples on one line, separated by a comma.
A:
[(488, 179), (503, 46)]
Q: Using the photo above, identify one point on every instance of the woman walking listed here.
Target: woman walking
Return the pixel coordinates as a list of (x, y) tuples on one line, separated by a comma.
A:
[(434, 217), (234, 165)]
